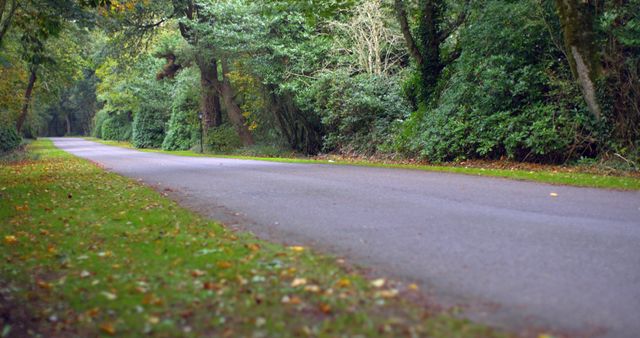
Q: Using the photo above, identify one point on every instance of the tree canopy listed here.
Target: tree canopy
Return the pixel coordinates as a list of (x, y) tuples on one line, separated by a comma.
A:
[(436, 80)]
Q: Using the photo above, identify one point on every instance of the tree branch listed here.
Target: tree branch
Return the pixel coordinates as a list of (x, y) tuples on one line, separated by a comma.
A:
[(462, 17), (401, 13)]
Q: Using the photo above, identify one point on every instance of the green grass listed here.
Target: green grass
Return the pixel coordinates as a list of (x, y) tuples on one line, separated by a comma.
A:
[(85, 252), (579, 179)]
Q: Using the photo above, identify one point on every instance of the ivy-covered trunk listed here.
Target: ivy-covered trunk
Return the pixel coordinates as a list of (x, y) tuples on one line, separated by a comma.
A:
[(431, 12), (210, 99), (577, 18), (233, 110)]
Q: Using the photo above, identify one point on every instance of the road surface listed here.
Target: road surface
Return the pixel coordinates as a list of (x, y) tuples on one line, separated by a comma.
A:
[(507, 251)]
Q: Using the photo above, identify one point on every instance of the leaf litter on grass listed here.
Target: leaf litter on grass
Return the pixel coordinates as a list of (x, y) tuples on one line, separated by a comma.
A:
[(116, 258)]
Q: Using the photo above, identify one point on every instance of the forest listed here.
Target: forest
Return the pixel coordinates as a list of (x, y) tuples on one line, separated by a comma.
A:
[(430, 80)]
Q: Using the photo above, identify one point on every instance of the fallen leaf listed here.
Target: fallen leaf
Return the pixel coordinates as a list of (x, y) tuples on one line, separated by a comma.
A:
[(343, 283), (325, 308), (312, 288), (413, 287), (93, 312), (253, 246), (85, 274), (10, 239), (378, 282), (296, 248), (109, 295), (108, 328), (197, 273), (223, 265), (387, 293), (44, 285), (210, 286), (553, 194), (298, 282), (291, 300), (151, 299)]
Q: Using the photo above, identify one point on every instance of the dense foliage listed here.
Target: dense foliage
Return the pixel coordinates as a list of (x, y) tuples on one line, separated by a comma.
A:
[(115, 126), (358, 112), (506, 95), (436, 80), (9, 139)]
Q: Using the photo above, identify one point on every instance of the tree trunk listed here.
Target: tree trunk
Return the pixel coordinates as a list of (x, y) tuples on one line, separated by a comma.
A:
[(209, 99), (233, 110), (577, 19), (425, 48), (429, 35), (67, 121), (27, 100), (6, 16)]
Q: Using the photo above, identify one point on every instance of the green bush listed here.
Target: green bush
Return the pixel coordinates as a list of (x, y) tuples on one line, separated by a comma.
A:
[(183, 128), (223, 139), (9, 138), (98, 121), (116, 127), (507, 95), (181, 131), (357, 112), (148, 129)]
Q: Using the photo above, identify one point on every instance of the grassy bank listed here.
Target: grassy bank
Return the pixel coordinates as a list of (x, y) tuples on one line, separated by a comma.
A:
[(543, 174), (85, 253)]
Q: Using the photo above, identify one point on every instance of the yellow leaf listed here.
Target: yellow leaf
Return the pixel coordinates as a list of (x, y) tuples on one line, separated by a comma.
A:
[(108, 328), (413, 287), (343, 283), (296, 248), (10, 239)]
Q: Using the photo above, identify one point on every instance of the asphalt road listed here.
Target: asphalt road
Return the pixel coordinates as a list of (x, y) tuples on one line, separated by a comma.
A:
[(507, 251)]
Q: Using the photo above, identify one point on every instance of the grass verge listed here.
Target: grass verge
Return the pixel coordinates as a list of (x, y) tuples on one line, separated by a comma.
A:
[(86, 253), (543, 175)]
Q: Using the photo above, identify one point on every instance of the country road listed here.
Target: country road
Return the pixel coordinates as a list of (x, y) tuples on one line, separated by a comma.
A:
[(507, 251)]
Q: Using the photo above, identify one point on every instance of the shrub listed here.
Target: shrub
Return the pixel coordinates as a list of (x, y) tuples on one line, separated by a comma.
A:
[(148, 128), (223, 139), (507, 95), (357, 112), (181, 131), (116, 127), (98, 121), (9, 138)]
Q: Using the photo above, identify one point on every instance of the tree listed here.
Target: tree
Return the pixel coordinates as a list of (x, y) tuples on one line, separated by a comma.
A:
[(578, 27), (433, 29), (7, 10)]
